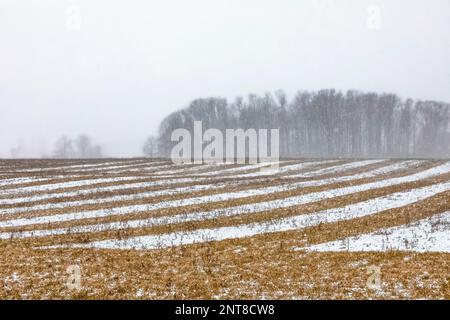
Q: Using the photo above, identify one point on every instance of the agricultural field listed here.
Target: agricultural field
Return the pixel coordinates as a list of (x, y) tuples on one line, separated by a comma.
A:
[(150, 229)]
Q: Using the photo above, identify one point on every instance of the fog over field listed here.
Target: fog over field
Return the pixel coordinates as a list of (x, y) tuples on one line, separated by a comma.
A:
[(116, 69)]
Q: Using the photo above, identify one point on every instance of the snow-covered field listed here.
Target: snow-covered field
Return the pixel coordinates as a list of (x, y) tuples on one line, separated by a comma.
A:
[(44, 214), (426, 235), (332, 206)]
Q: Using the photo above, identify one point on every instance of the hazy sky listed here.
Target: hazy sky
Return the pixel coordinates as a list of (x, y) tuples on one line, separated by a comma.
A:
[(114, 69)]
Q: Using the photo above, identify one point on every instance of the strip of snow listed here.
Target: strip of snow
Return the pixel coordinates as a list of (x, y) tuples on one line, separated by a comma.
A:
[(59, 185), (241, 168), (363, 175), (349, 212), (129, 167), (14, 181), (81, 166), (427, 235), (318, 172), (292, 167), (267, 190), (242, 209), (154, 170), (187, 171), (338, 168)]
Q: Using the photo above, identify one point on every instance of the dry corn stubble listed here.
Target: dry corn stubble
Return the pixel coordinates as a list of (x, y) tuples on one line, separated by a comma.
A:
[(263, 266)]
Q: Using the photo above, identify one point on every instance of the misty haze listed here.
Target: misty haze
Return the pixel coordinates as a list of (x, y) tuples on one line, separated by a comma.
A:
[(224, 150), (115, 71)]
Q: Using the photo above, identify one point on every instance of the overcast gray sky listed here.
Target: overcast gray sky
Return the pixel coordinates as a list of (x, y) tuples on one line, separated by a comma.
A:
[(114, 69)]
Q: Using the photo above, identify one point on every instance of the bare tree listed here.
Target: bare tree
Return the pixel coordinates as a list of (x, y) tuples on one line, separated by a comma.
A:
[(83, 146), (151, 147), (63, 148)]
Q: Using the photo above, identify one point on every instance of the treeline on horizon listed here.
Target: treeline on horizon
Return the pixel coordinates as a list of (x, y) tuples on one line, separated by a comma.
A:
[(325, 123)]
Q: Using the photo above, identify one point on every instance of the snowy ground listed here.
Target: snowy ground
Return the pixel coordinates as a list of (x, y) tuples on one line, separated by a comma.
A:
[(311, 228), (427, 235)]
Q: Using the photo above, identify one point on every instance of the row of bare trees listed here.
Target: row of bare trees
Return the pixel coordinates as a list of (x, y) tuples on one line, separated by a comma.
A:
[(326, 123), (81, 147)]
